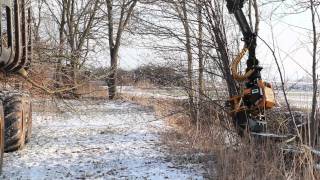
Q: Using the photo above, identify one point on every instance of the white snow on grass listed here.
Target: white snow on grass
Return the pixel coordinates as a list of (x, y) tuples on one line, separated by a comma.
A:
[(157, 93), (96, 140)]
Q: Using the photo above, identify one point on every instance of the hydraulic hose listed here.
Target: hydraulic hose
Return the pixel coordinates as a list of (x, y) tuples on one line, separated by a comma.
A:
[(235, 66)]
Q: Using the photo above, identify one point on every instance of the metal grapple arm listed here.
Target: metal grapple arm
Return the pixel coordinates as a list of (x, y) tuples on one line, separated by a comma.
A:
[(15, 35), (250, 40)]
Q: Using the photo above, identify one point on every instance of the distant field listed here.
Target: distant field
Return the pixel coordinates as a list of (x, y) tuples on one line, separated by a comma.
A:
[(162, 93), (301, 99)]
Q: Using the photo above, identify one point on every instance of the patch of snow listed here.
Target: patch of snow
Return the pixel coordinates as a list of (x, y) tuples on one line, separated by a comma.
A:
[(174, 93), (105, 140)]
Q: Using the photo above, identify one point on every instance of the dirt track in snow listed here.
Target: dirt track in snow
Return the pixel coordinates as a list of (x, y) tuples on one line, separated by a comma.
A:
[(96, 140)]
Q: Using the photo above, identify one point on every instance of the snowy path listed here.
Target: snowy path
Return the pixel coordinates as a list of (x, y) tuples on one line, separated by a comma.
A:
[(105, 140)]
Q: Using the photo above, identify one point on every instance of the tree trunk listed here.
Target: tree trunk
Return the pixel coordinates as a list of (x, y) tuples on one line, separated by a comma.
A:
[(190, 89), (200, 47), (58, 71), (112, 79), (313, 116)]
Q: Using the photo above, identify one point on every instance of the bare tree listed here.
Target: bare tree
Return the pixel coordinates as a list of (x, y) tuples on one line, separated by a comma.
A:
[(313, 116), (182, 11), (216, 28), (37, 19), (117, 23), (76, 22), (200, 47), (195, 38)]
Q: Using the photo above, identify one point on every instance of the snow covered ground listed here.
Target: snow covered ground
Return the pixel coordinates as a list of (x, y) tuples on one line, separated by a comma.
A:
[(96, 140)]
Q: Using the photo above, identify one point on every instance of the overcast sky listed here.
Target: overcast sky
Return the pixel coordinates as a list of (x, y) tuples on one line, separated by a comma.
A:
[(292, 38)]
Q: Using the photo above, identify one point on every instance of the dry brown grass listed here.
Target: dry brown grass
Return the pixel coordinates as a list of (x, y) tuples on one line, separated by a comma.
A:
[(91, 90), (146, 84), (236, 158)]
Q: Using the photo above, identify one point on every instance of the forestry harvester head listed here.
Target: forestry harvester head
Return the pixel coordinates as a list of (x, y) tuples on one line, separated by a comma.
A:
[(257, 96), (256, 99)]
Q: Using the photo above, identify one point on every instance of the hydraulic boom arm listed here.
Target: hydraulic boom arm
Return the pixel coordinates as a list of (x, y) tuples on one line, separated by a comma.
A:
[(250, 38)]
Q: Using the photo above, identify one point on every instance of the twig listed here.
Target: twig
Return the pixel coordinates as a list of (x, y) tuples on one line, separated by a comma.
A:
[(282, 87)]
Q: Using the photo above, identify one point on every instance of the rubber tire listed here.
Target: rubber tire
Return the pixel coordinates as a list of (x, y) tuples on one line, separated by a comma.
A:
[(15, 125), (1, 135), (28, 119)]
